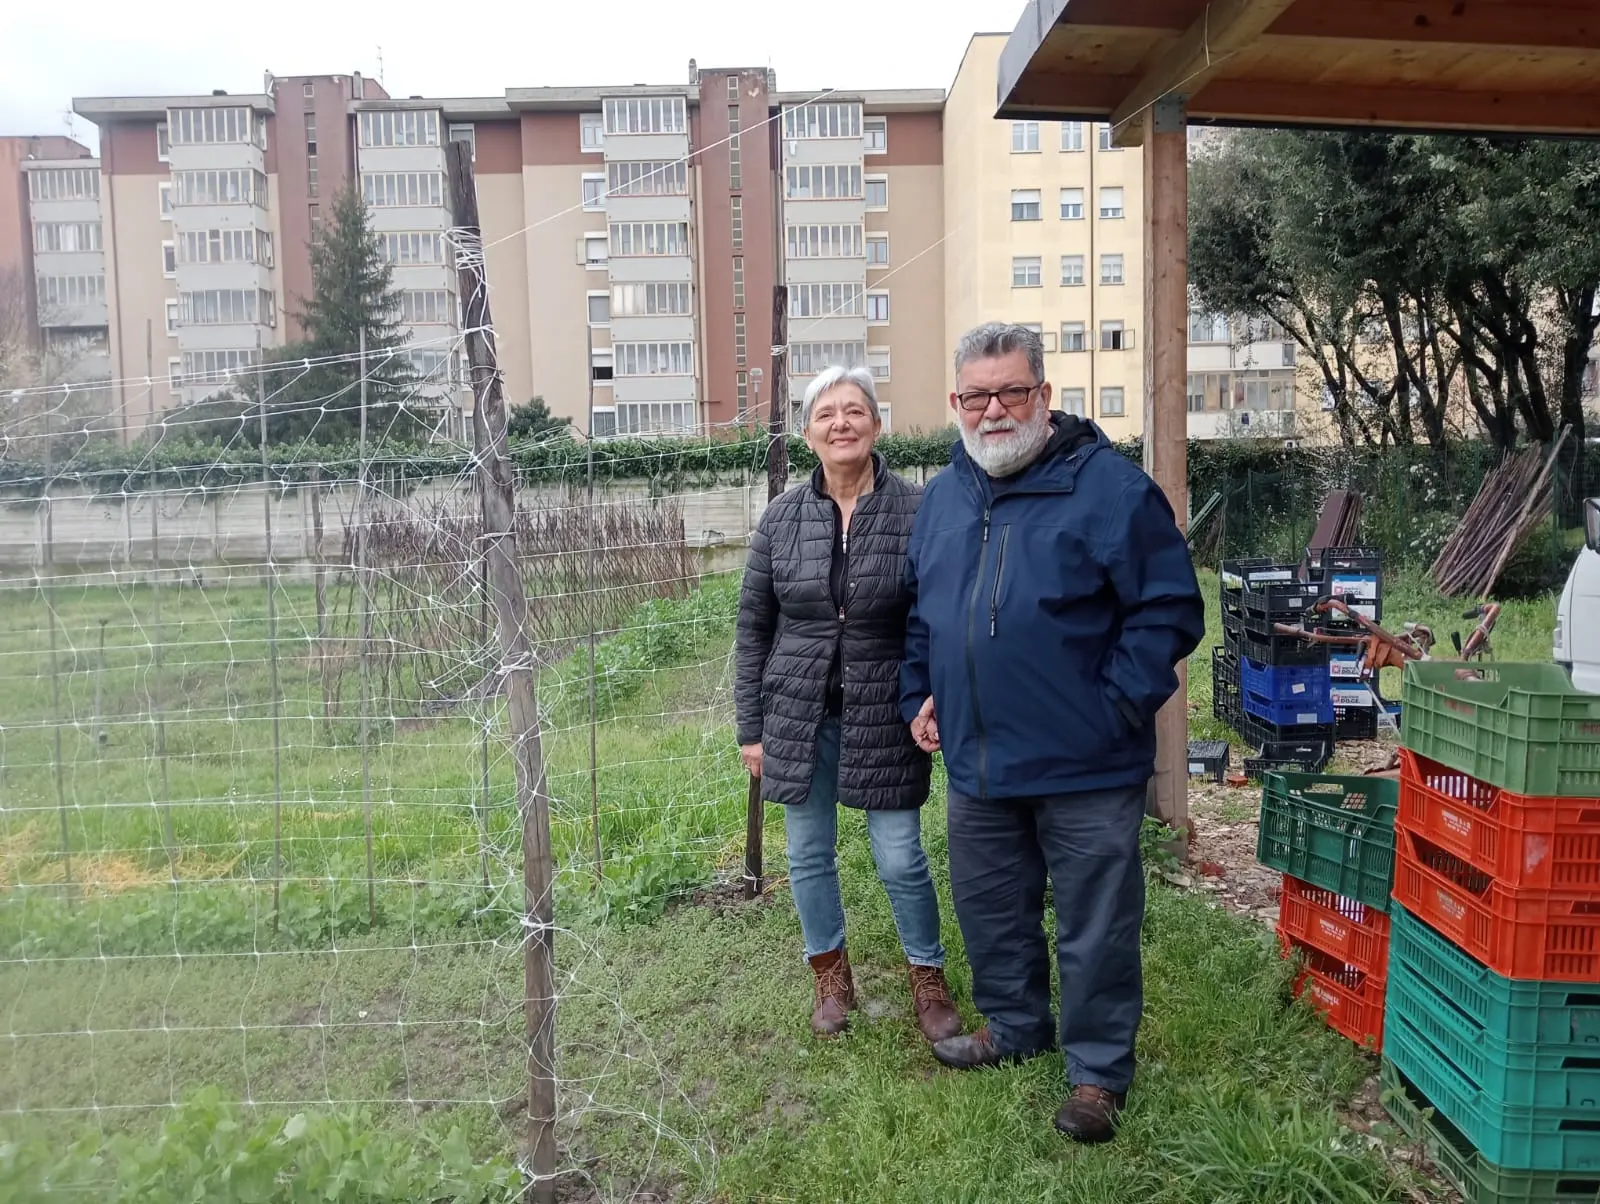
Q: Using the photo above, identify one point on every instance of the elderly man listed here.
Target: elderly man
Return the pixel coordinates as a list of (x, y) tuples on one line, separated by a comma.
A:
[(1053, 596)]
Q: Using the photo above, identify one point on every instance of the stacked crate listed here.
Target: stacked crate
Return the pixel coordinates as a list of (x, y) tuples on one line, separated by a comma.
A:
[(1355, 577), (1492, 1021), (1274, 690), (1333, 839)]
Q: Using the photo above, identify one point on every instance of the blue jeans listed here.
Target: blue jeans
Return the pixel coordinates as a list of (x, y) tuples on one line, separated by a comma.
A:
[(1001, 852), (812, 829)]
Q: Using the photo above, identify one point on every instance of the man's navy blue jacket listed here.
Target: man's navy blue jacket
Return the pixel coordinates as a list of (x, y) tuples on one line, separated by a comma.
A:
[(1049, 610)]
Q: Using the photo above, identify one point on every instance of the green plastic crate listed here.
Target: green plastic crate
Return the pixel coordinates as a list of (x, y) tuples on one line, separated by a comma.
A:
[(1522, 728), (1478, 1181), (1333, 832), (1514, 1010)]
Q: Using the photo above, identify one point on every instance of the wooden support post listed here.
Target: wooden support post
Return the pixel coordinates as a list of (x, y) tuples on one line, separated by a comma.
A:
[(497, 487), (1166, 423)]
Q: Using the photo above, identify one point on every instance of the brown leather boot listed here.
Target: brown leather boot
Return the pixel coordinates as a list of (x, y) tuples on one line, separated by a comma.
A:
[(936, 1011), (836, 993), (1090, 1114)]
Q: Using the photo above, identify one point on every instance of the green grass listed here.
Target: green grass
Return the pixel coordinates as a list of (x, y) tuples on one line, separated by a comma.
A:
[(687, 1065)]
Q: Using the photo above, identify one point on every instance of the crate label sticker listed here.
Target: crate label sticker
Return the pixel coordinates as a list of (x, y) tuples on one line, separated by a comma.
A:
[(1195, 767), (1344, 666), (1332, 930), (1262, 576), (1299, 687), (1350, 698), (1366, 610), (1307, 718), (1365, 588), (1460, 825)]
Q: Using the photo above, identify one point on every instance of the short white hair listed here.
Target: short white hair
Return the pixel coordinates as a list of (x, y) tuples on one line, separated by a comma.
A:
[(838, 375)]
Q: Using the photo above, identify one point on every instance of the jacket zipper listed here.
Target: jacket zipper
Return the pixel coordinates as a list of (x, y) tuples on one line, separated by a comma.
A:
[(999, 575), (972, 661)]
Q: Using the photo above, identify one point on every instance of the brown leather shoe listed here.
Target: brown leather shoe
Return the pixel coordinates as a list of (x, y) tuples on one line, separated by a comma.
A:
[(978, 1049), (1090, 1114), (836, 993), (936, 1011)]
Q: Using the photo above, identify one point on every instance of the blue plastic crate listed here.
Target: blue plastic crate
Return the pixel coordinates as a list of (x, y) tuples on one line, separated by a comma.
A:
[(1301, 713), (1285, 683)]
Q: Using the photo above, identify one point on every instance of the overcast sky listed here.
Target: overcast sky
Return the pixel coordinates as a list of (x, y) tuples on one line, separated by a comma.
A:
[(50, 54)]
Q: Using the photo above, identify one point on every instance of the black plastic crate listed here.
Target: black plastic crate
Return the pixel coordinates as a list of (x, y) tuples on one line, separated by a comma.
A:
[(1259, 732), (1208, 759), (1356, 576), (1243, 639), (1355, 723), (1291, 756), (1271, 593), (1227, 699)]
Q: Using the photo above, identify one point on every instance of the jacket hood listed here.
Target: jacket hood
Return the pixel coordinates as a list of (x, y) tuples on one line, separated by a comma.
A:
[(1055, 465)]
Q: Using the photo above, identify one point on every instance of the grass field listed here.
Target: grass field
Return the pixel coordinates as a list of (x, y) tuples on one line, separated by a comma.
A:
[(686, 1064)]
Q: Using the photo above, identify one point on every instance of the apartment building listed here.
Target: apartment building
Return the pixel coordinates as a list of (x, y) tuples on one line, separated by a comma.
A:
[(634, 236)]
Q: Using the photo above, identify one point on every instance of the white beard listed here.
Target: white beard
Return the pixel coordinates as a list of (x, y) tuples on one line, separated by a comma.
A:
[(1010, 455)]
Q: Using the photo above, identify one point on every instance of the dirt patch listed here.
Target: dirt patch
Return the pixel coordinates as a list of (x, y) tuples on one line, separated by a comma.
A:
[(726, 896)]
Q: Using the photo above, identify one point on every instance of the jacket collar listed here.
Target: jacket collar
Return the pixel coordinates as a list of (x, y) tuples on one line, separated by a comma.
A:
[(1072, 441), (880, 475)]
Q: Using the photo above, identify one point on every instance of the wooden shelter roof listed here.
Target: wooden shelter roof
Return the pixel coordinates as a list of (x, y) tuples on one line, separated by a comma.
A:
[(1488, 66)]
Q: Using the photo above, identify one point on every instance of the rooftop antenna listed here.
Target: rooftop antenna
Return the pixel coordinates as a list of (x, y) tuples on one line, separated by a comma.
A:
[(380, 65)]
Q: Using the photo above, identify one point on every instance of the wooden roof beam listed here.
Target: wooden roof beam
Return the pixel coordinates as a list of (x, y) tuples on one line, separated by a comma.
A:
[(1222, 29)]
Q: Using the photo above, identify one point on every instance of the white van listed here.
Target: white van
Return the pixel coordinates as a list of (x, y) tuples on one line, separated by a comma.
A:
[(1577, 644)]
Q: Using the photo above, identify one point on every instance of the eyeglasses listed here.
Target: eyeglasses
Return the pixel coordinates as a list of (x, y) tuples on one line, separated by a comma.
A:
[(1011, 397)]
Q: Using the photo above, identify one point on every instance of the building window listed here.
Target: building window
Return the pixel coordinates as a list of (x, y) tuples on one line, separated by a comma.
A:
[(599, 309), (427, 307), (643, 300), (600, 365), (1072, 204), (877, 250), (1111, 401), (232, 245), (1024, 137), (1025, 204), (591, 132), (741, 386), (465, 131), (1113, 337), (807, 359), (834, 119), (314, 212), (736, 219), (408, 249), (163, 143), (1111, 269), (402, 189), (214, 367), (877, 192), (877, 307), (71, 290), (738, 282), (817, 182), (741, 346), (878, 363), (648, 238), (164, 192), (225, 307), (735, 175), (173, 310), (169, 259), (1073, 337), (208, 127), (1111, 203), (66, 236), (1208, 328), (1026, 272), (644, 115), (594, 191), (825, 301), (239, 186), (652, 177), (875, 135), (404, 127), (1105, 139), (308, 90), (595, 254), (654, 359), (1071, 271), (825, 242), (311, 133), (604, 423), (655, 418), (175, 372), (1072, 402), (64, 184), (1072, 135), (733, 87)]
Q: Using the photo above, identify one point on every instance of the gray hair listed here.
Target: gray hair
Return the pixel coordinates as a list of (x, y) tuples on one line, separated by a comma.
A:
[(994, 339), (861, 378)]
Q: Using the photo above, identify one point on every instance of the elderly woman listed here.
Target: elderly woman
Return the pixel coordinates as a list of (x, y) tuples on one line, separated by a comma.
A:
[(821, 632)]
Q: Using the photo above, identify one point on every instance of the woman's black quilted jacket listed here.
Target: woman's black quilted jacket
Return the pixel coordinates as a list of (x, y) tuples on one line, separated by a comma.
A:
[(789, 629)]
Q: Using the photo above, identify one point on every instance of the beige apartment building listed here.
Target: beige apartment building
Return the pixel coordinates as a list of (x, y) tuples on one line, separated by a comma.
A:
[(634, 237)]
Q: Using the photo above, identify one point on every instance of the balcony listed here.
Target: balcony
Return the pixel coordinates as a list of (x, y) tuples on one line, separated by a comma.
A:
[(1243, 424)]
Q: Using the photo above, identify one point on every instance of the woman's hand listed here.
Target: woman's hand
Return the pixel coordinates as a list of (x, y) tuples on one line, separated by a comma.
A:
[(925, 728), (750, 754)]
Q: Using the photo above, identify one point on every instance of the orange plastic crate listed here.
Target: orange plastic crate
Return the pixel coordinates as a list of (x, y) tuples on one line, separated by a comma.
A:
[(1520, 840), (1552, 936), (1342, 928), (1349, 999)]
